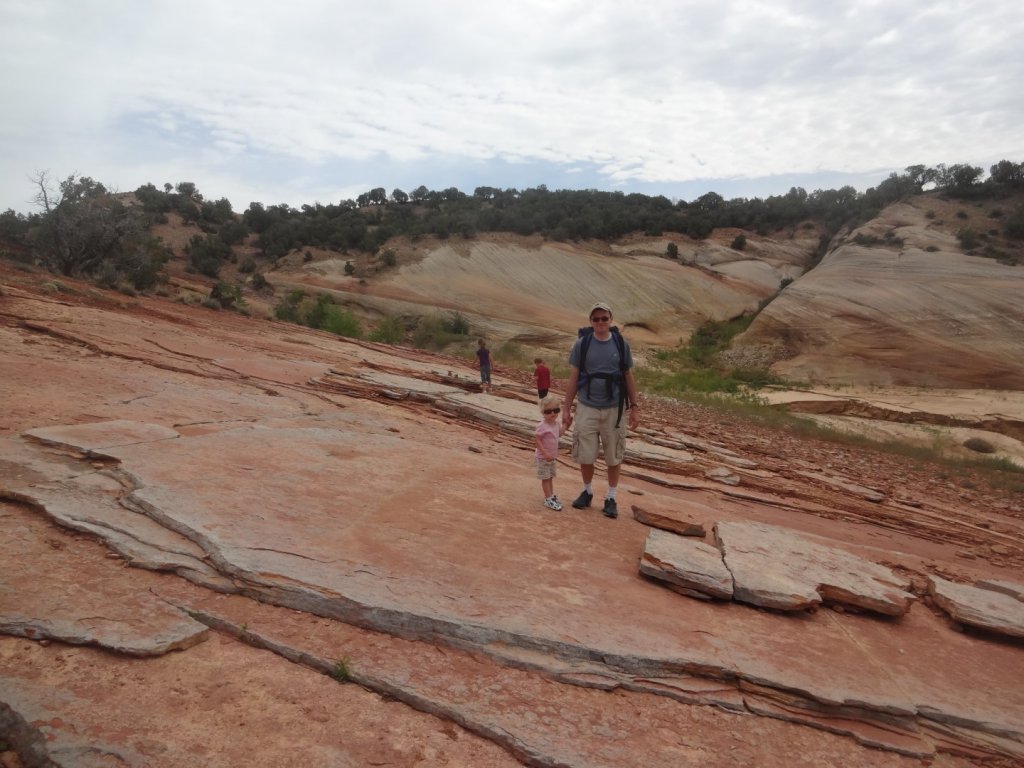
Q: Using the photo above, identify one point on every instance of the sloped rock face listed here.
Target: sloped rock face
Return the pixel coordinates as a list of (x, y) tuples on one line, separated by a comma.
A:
[(301, 511), (920, 312)]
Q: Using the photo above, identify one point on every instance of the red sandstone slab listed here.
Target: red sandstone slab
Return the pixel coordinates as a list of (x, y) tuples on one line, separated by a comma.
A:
[(104, 434), (782, 569)]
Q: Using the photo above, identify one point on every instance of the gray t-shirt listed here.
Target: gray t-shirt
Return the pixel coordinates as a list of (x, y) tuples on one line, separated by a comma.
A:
[(602, 357)]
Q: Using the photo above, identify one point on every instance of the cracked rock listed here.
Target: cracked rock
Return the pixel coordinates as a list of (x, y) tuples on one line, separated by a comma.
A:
[(779, 568)]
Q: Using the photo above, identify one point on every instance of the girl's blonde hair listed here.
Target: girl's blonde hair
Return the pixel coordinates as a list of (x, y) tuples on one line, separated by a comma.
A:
[(550, 402)]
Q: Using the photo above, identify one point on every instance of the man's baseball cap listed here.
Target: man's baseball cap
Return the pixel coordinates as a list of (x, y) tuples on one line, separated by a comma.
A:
[(600, 305)]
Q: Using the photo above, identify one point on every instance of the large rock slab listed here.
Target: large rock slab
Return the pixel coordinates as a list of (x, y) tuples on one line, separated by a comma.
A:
[(779, 568), (76, 496), (691, 567), (356, 506), (105, 434), (48, 591), (979, 607)]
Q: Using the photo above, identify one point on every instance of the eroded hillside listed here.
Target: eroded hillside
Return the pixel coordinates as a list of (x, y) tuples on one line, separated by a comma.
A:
[(534, 292), (898, 301)]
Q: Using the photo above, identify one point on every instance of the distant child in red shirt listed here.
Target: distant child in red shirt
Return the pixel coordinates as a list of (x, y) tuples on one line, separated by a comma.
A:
[(546, 435), (543, 376)]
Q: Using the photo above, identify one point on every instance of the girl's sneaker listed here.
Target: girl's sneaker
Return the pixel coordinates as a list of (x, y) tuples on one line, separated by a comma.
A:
[(553, 503)]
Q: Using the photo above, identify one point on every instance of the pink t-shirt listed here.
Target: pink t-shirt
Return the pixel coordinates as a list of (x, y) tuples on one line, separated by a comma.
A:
[(548, 434)]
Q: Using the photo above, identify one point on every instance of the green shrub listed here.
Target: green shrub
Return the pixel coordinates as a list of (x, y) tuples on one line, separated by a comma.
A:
[(342, 670), (205, 255), (432, 333), (388, 331), (968, 238), (866, 240), (1015, 224), (341, 322), (287, 309), (739, 242), (979, 445), (712, 337), (315, 314), (457, 324), (227, 295)]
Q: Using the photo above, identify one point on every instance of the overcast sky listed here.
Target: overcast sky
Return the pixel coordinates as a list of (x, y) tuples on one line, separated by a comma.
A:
[(319, 100)]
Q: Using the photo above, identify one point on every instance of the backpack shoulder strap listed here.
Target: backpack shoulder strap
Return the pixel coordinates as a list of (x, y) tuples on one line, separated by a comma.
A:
[(587, 334), (620, 345)]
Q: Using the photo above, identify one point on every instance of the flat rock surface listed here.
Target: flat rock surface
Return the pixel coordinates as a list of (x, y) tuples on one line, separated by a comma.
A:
[(342, 517), (984, 608)]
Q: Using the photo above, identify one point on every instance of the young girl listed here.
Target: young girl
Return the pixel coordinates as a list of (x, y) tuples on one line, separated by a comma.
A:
[(546, 435)]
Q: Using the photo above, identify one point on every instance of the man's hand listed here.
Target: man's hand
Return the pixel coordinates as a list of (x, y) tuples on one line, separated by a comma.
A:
[(634, 417), (566, 418)]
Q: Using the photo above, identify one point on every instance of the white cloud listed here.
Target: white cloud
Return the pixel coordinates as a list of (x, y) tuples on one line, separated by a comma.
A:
[(263, 97)]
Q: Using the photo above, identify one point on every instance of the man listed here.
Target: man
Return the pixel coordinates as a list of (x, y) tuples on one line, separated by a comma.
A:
[(602, 382)]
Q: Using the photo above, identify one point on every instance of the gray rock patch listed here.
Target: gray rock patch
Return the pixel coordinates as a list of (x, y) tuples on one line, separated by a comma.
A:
[(977, 607)]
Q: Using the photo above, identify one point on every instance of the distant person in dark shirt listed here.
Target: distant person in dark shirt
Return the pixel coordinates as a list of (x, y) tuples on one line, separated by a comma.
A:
[(483, 361)]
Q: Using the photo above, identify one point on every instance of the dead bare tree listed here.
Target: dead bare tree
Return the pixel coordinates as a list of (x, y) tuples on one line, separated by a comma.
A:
[(84, 229)]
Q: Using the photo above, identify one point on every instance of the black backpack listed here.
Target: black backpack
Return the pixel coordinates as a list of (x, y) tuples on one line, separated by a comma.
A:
[(610, 379)]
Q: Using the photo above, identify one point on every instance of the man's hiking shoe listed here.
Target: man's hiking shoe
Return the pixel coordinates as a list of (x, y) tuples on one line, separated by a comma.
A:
[(583, 500), (553, 503), (611, 509)]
